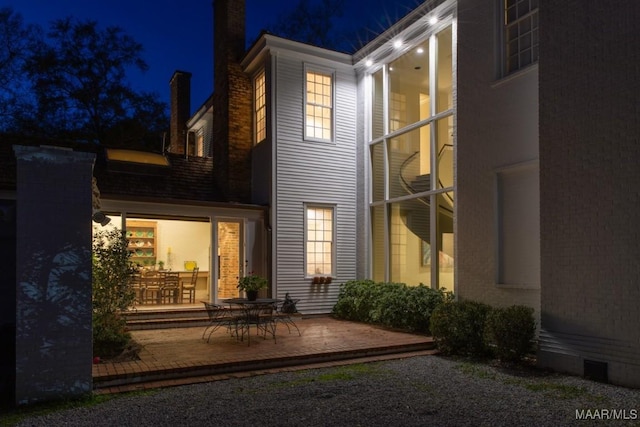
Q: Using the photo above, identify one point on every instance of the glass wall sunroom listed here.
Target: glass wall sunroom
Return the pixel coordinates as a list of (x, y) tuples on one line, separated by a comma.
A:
[(411, 149)]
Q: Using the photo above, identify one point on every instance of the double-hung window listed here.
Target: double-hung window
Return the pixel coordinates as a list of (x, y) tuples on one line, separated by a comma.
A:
[(260, 107), (319, 240), (520, 34), (318, 116)]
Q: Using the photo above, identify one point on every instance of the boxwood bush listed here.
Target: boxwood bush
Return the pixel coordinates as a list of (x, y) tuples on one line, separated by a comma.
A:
[(458, 328), (511, 332), (394, 305)]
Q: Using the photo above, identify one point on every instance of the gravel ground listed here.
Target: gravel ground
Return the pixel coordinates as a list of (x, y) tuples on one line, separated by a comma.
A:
[(417, 391)]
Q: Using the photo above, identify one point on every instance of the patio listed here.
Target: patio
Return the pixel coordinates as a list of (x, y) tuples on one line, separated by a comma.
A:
[(179, 356)]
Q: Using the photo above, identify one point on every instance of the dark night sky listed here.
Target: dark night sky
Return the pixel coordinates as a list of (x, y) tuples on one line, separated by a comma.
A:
[(188, 46)]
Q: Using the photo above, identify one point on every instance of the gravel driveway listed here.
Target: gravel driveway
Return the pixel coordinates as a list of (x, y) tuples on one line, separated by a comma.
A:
[(417, 391)]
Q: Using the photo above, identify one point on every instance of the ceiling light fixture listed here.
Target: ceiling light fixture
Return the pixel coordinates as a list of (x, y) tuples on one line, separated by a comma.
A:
[(433, 20), (397, 44)]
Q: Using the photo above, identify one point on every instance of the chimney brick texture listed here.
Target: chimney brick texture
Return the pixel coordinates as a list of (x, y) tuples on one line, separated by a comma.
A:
[(232, 124), (180, 111)]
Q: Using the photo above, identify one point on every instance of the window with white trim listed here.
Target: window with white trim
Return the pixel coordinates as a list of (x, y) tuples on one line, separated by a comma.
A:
[(260, 107), (318, 105), (319, 238)]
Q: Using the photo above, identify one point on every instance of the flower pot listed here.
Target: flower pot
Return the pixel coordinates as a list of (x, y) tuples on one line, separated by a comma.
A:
[(252, 295)]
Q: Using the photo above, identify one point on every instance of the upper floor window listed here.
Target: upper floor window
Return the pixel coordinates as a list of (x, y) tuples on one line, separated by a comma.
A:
[(520, 34), (318, 105), (319, 238), (260, 107)]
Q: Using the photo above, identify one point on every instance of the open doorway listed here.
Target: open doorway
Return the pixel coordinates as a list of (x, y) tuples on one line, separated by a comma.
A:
[(230, 257)]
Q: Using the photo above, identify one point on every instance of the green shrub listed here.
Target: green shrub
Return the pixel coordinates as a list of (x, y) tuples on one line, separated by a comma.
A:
[(394, 305), (458, 328), (355, 300), (113, 292), (511, 331)]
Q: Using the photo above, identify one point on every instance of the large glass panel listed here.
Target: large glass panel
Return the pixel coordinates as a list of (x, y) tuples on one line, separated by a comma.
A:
[(446, 241), (444, 99), (409, 87), (377, 242), (377, 172), (409, 165), (410, 242), (445, 152), (377, 105)]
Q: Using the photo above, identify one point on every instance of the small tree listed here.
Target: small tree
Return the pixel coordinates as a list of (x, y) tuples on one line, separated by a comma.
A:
[(112, 291)]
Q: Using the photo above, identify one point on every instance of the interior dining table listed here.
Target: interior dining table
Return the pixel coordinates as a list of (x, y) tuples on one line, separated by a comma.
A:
[(258, 312)]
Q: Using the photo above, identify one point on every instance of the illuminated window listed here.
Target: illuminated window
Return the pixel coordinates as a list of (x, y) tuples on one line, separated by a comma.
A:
[(520, 34), (260, 108), (319, 105), (319, 237)]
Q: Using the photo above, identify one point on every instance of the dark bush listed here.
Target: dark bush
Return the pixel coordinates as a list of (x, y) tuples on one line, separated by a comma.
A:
[(511, 331), (458, 328), (391, 304), (355, 300)]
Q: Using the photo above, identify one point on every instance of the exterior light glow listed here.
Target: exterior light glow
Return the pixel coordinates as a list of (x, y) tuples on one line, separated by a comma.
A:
[(420, 50), (369, 63), (433, 20), (397, 44)]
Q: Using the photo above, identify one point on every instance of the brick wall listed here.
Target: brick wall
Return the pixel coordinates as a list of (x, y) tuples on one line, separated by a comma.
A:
[(232, 121), (229, 251), (53, 290), (590, 203)]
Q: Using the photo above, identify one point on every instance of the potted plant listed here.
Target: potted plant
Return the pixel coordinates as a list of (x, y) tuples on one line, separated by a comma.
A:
[(251, 284)]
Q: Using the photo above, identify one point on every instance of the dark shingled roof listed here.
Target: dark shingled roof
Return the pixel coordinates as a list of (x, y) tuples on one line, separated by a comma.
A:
[(187, 178)]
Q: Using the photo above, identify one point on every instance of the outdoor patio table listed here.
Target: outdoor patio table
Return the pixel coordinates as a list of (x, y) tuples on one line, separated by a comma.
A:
[(257, 312)]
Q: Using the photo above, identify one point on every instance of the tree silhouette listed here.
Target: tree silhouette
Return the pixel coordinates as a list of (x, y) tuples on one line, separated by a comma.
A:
[(75, 78)]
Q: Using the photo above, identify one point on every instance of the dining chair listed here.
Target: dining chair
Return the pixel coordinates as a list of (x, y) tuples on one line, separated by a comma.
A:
[(219, 317), (170, 287), (189, 289), (138, 288), (152, 283), (284, 313)]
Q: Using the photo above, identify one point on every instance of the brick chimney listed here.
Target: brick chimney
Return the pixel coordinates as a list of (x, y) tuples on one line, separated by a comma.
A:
[(180, 84), (232, 121)]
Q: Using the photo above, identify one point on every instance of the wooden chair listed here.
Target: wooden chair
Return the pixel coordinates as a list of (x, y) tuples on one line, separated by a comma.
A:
[(170, 288), (189, 289)]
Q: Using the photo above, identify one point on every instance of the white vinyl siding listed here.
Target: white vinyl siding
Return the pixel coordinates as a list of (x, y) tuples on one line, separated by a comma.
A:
[(307, 173)]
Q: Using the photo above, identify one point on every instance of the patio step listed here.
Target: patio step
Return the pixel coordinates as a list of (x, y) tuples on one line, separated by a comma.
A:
[(162, 319), (176, 375), (166, 318)]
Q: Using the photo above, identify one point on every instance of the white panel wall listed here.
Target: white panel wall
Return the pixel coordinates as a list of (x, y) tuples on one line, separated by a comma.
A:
[(497, 127)]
